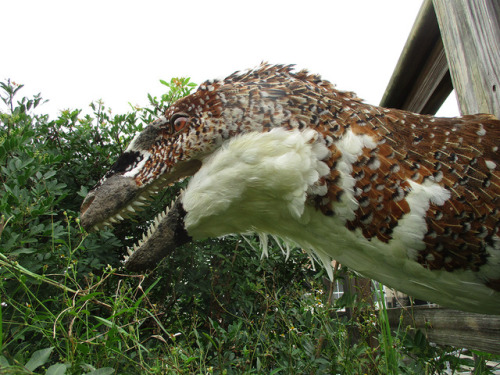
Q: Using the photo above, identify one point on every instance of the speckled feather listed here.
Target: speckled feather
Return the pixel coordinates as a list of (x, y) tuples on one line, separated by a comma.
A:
[(460, 154)]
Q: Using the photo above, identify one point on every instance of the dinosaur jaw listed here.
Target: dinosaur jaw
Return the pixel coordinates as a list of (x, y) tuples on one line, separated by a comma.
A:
[(119, 196), (165, 234), (115, 199)]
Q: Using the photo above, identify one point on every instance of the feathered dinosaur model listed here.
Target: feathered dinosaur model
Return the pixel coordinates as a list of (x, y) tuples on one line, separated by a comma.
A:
[(409, 200)]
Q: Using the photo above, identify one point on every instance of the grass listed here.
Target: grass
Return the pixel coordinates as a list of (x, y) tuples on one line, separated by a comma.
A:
[(94, 331), (391, 355)]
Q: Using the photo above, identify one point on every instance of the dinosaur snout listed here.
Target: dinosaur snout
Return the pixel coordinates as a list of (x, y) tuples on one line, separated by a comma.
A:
[(109, 203)]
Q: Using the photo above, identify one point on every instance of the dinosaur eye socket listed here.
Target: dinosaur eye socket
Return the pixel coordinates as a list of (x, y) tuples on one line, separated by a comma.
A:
[(179, 122)]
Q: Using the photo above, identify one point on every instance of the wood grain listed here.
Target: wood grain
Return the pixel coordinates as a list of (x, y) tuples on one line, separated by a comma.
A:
[(451, 327), (471, 36), (421, 81)]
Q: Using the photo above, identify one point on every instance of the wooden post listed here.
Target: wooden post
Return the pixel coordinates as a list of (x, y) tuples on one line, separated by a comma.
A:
[(471, 36)]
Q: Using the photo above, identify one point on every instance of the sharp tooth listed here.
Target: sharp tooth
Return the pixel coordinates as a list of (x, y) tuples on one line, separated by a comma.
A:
[(143, 198), (136, 247), (144, 237), (129, 251), (137, 203), (125, 258), (157, 222), (149, 232), (130, 208), (119, 217), (113, 220), (95, 227)]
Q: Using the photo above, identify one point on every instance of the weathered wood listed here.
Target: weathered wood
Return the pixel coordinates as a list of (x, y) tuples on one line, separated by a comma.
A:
[(451, 327), (434, 73), (421, 81), (471, 36)]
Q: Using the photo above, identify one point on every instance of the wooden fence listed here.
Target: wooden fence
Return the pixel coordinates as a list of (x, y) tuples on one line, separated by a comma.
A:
[(451, 327)]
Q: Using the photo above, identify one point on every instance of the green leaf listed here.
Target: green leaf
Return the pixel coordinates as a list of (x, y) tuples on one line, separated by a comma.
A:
[(83, 191), (278, 370), (49, 174), (102, 371), (110, 324), (38, 358), (3, 362), (146, 293), (211, 340), (57, 369)]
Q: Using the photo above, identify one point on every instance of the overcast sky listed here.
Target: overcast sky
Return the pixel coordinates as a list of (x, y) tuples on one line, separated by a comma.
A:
[(74, 52)]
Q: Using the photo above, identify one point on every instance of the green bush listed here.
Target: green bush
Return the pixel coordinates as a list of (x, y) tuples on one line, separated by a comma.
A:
[(211, 307)]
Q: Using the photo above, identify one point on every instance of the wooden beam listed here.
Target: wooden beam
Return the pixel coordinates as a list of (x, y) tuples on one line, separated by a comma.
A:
[(471, 36), (426, 94), (451, 327), (421, 81)]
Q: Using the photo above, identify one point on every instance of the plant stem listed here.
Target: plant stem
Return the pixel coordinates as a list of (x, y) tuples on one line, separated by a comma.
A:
[(6, 262), (328, 304), (389, 351)]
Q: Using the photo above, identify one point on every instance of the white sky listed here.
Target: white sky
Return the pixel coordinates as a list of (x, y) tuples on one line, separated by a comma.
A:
[(74, 52)]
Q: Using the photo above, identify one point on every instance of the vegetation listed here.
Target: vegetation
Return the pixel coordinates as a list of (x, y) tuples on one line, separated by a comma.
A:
[(67, 306)]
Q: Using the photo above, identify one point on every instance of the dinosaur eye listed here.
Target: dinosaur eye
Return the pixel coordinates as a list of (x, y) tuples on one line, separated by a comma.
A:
[(179, 122)]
